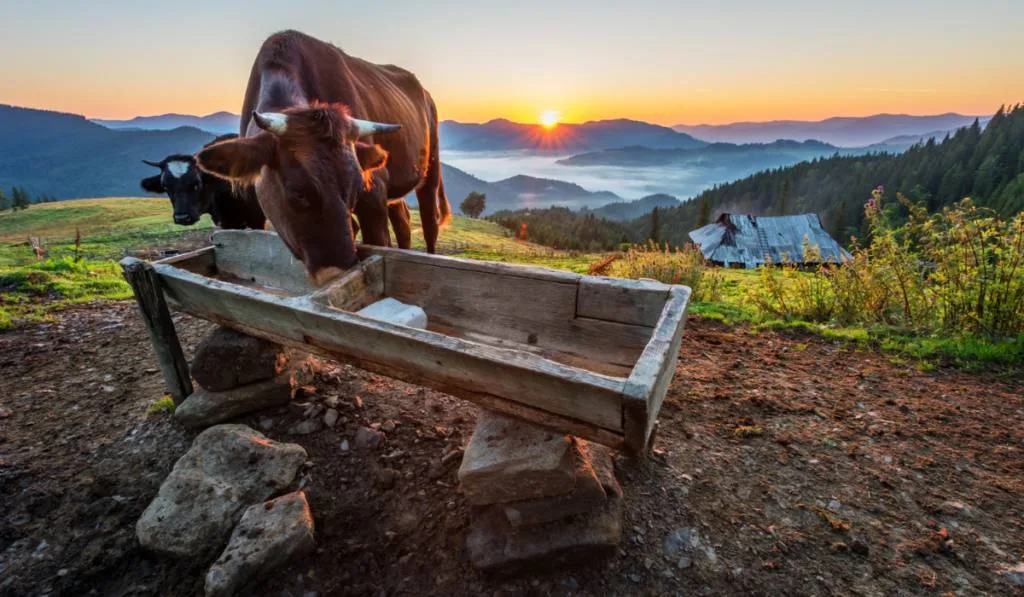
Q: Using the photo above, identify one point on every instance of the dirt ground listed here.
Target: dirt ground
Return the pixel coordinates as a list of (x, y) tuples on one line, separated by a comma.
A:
[(807, 467)]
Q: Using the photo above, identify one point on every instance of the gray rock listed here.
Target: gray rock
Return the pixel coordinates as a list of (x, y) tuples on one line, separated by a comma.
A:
[(367, 438), (508, 460), (227, 468), (495, 546), (681, 540), (588, 493), (331, 417), (686, 545), (305, 427), (227, 359), (267, 536), (205, 407)]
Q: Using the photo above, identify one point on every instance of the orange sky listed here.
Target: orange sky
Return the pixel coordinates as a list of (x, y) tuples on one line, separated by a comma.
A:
[(665, 62)]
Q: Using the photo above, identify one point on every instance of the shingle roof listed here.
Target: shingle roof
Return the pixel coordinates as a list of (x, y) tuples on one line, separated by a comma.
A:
[(739, 238)]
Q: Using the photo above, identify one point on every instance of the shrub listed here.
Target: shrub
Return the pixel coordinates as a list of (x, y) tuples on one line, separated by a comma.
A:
[(959, 271), (684, 266)]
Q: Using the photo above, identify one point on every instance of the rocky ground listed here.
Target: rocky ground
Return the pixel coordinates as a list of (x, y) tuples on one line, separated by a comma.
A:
[(784, 465)]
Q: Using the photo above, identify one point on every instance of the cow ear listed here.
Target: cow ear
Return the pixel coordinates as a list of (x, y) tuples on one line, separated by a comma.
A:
[(371, 157), (238, 159), (152, 184)]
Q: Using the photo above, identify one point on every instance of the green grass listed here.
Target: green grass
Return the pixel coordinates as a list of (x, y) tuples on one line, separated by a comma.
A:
[(108, 227), (31, 292), (164, 405)]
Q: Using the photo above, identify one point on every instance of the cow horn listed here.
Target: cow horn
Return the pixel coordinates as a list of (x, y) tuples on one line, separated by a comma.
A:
[(368, 127), (272, 122), (154, 164)]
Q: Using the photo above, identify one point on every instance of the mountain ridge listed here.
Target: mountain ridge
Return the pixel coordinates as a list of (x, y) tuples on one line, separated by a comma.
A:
[(842, 131)]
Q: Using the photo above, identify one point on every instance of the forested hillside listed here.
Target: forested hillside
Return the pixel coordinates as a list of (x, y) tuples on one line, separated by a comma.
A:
[(562, 228), (66, 156), (985, 165)]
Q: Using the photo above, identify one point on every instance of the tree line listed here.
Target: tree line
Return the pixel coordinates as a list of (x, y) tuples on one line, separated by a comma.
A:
[(20, 199)]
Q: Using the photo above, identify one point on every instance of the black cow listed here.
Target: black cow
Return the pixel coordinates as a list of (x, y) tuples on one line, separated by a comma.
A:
[(194, 192)]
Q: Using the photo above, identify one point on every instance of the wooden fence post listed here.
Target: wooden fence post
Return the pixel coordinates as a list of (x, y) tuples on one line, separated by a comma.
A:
[(150, 297)]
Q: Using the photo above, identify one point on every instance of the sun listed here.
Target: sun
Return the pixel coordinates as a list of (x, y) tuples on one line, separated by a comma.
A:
[(549, 118)]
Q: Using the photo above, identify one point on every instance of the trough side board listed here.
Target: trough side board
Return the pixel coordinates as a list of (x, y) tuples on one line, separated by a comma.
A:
[(646, 387)]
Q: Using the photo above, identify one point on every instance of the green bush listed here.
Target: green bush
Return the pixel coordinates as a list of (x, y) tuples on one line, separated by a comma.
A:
[(959, 271)]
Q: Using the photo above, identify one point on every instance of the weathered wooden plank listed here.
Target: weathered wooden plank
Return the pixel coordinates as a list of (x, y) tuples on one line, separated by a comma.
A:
[(201, 261), (527, 310), (647, 384), (150, 297), (458, 263), (612, 370), (260, 256), (432, 359), (636, 302), (356, 288)]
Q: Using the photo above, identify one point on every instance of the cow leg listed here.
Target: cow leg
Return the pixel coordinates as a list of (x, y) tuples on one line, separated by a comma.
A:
[(372, 211), (401, 222)]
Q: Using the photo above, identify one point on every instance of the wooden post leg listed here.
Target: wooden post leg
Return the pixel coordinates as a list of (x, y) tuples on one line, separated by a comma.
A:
[(150, 296)]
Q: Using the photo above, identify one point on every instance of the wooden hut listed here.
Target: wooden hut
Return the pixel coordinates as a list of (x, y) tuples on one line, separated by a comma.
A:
[(740, 240)]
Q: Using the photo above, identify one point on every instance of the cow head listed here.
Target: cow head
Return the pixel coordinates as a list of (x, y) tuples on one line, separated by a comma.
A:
[(308, 166), (183, 182)]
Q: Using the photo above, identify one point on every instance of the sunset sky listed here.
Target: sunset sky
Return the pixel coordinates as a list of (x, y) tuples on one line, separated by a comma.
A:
[(667, 62)]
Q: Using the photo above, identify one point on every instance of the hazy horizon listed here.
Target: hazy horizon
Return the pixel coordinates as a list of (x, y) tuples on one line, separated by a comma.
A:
[(660, 62), (596, 119)]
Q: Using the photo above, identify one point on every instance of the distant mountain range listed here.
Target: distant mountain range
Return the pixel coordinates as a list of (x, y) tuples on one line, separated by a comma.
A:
[(889, 131), (840, 131), (66, 156), (504, 135), (218, 123), (520, 192)]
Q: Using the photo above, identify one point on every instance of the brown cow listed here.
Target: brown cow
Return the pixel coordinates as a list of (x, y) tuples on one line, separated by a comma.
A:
[(313, 142)]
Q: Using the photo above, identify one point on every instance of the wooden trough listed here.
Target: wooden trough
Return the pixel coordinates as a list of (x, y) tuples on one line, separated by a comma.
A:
[(583, 355)]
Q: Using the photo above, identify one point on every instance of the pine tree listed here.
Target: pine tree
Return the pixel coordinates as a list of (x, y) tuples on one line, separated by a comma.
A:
[(5, 202), (19, 198), (705, 212), (655, 234)]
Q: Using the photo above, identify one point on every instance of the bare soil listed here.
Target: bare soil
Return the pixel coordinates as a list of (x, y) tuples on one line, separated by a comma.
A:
[(808, 467)]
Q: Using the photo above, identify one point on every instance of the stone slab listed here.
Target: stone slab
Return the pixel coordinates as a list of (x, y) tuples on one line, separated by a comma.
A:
[(508, 460), (227, 359), (205, 407), (588, 494), (496, 546)]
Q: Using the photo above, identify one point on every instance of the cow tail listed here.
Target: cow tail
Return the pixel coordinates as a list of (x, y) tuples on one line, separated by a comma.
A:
[(444, 209)]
